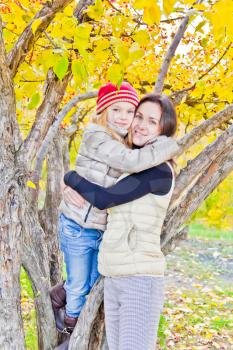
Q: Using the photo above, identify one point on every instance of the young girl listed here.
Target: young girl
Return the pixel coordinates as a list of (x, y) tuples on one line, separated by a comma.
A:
[(103, 157)]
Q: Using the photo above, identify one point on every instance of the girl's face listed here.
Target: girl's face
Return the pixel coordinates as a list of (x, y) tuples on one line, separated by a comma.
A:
[(145, 125), (121, 114)]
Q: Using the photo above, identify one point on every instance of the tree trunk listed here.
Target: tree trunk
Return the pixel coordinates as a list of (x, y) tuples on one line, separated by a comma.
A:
[(35, 260), (11, 213), (49, 214)]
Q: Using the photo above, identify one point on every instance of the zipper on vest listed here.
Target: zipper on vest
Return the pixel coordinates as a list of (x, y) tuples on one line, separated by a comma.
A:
[(88, 213)]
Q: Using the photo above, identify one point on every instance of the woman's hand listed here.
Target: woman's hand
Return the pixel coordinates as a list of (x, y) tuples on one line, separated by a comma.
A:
[(71, 196)]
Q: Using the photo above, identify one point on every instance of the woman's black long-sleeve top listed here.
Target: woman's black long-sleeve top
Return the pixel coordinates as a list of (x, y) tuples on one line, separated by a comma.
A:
[(156, 180)]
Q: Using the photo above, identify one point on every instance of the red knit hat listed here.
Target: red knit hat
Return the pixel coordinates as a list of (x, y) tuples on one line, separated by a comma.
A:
[(109, 94)]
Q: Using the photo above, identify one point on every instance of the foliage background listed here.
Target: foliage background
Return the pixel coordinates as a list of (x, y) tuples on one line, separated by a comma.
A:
[(128, 40)]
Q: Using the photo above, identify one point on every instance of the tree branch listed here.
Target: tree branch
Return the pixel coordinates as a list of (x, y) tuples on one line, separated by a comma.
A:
[(218, 61), (6, 85), (175, 240), (81, 7), (28, 38), (170, 53), (218, 170), (207, 126), (9, 131), (45, 116), (35, 261), (48, 216), (198, 165), (81, 334), (53, 129)]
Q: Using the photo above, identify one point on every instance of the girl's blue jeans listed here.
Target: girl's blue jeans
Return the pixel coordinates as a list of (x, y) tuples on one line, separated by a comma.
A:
[(80, 247)]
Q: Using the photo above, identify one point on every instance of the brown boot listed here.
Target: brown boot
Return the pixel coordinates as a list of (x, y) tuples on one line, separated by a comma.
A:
[(58, 299), (58, 296), (69, 323)]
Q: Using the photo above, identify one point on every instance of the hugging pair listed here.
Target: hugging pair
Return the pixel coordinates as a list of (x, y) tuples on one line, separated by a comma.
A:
[(123, 164)]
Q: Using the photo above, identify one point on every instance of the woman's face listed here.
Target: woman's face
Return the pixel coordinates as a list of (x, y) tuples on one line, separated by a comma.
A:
[(145, 125), (121, 114)]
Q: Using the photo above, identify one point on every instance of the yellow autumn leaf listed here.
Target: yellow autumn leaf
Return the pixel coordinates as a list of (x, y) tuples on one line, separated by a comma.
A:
[(152, 14), (31, 184), (35, 25), (140, 4), (69, 10), (115, 73), (42, 184), (168, 6), (95, 11), (142, 37)]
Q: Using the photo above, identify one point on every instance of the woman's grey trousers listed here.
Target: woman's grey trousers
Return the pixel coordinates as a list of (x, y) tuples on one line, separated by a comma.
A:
[(133, 305)]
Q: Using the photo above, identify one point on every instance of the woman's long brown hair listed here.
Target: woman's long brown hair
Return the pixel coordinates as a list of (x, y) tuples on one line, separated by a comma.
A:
[(168, 120)]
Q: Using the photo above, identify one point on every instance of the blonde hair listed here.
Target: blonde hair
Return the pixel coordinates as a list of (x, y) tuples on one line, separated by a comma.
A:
[(102, 119), (129, 139)]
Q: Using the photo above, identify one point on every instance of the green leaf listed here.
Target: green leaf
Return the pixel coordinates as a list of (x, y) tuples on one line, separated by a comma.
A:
[(199, 27), (115, 73), (83, 31), (204, 42), (61, 67), (34, 101), (79, 71), (122, 51), (82, 37)]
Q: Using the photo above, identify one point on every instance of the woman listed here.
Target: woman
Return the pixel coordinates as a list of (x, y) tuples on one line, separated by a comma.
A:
[(102, 158), (130, 257)]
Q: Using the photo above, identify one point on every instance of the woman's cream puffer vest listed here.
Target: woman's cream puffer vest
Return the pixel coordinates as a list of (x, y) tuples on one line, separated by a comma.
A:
[(131, 242), (102, 160)]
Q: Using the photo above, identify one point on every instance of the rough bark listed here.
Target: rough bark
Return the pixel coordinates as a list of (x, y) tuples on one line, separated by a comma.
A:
[(49, 214), (175, 240), (198, 165), (82, 5), (61, 115), (36, 263), (11, 327), (80, 338), (218, 170), (45, 116)]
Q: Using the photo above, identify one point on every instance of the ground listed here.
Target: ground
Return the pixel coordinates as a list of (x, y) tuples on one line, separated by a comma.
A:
[(198, 312)]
